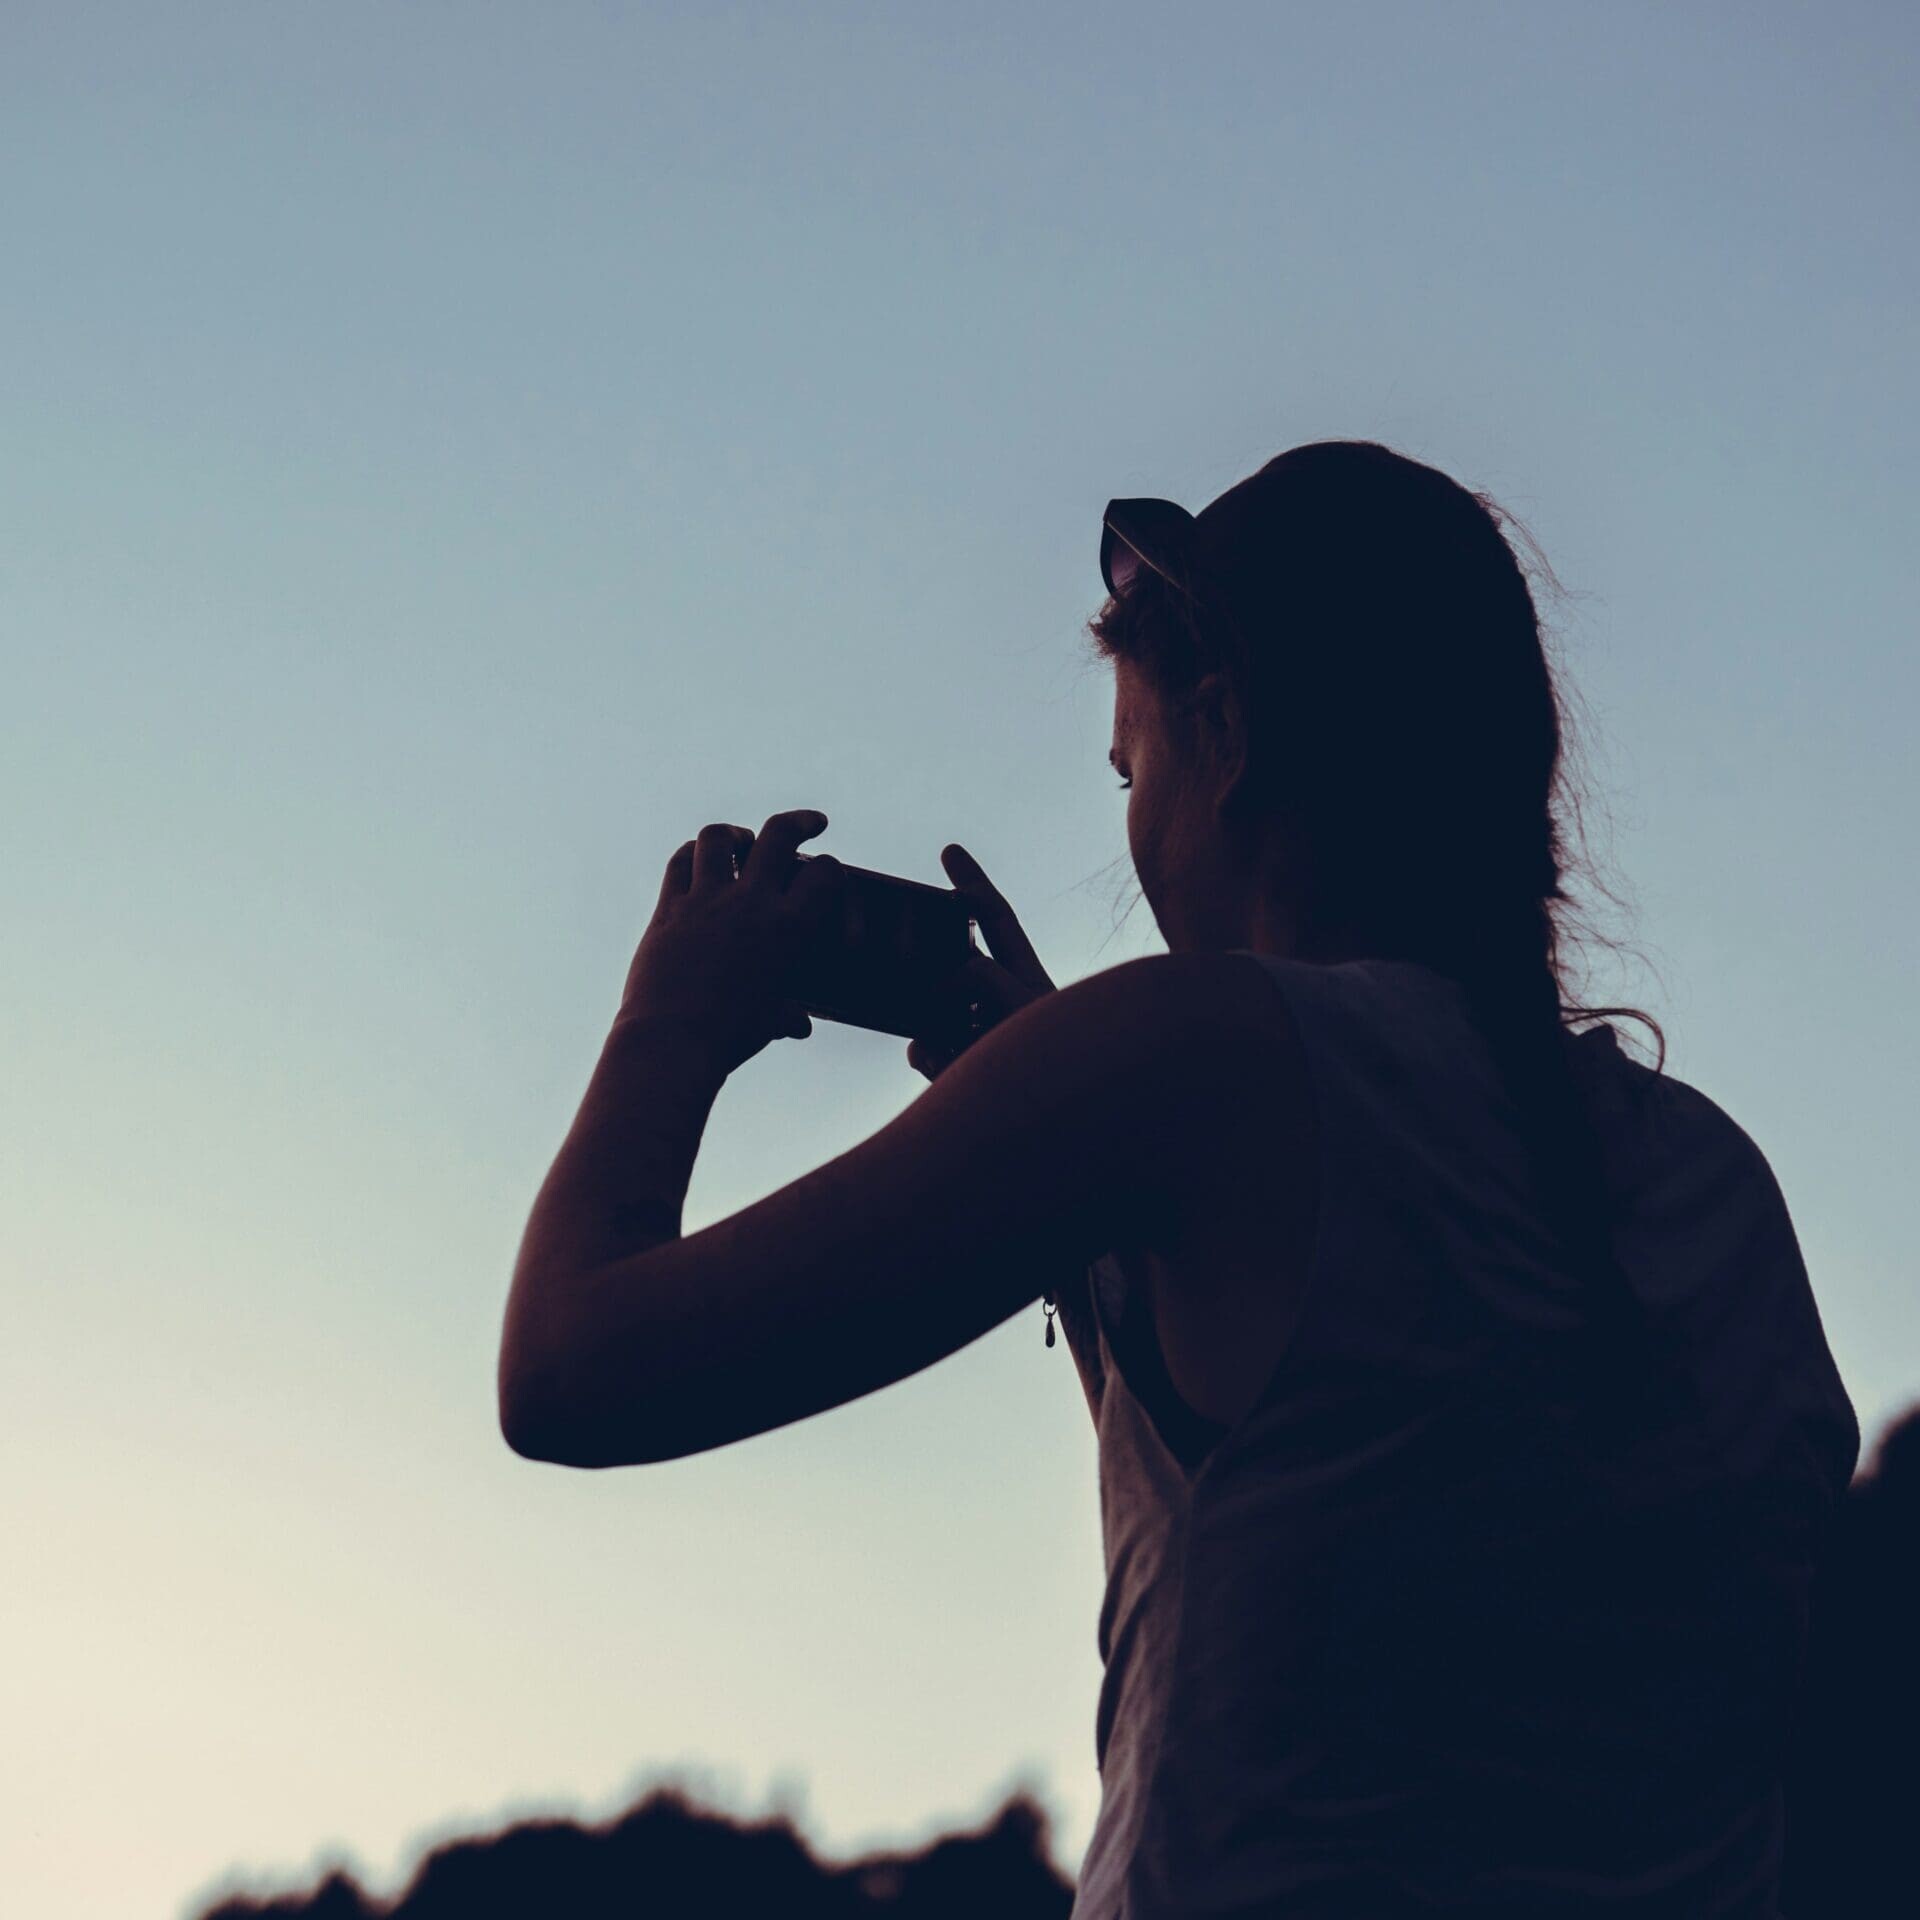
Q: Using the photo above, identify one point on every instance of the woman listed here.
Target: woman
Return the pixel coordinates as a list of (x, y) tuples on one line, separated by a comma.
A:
[(1466, 1426)]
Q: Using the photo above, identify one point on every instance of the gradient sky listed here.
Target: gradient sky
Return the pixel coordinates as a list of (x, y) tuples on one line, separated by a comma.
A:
[(454, 453)]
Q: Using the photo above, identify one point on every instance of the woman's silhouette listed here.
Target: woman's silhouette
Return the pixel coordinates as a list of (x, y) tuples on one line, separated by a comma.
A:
[(1467, 1432)]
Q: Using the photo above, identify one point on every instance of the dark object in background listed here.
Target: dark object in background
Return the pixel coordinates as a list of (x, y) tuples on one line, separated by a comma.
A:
[(1853, 1780), (892, 967), (668, 1859)]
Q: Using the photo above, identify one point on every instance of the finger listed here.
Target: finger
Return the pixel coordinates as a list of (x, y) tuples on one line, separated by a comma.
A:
[(853, 915), (927, 1059), (815, 891), (679, 873), (770, 859), (998, 990), (1003, 931), (713, 851)]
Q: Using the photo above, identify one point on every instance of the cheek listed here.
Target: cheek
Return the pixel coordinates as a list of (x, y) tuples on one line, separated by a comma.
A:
[(1160, 831), (1143, 834)]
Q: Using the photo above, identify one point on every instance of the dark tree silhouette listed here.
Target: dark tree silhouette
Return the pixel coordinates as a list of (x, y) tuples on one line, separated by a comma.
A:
[(1854, 1784), (667, 1859)]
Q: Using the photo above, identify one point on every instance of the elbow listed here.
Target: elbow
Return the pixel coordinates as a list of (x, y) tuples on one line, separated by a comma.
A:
[(540, 1423), (528, 1428), (537, 1403), (567, 1396), (546, 1419), (551, 1442)]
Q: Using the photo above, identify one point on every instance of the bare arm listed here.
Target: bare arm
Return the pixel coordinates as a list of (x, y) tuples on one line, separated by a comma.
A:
[(1055, 1136)]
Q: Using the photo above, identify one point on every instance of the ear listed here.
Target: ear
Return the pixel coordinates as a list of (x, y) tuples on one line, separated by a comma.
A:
[(1215, 711)]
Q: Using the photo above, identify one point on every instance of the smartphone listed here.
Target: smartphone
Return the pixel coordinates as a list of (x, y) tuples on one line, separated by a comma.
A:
[(890, 964)]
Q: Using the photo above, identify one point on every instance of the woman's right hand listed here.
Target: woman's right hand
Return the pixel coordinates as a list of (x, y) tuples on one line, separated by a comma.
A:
[(1000, 981)]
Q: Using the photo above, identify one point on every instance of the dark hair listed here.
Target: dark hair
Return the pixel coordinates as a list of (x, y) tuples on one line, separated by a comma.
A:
[(1400, 711)]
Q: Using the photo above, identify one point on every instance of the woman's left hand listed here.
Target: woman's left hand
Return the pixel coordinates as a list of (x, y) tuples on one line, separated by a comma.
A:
[(719, 949)]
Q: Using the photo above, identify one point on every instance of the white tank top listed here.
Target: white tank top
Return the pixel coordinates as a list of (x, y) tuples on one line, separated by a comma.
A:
[(1383, 1647)]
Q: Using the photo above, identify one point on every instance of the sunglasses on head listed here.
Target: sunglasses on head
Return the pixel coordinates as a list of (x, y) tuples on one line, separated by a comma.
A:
[(1146, 533), (1163, 537)]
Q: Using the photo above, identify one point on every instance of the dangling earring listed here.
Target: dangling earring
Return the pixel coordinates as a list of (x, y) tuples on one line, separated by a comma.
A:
[(1049, 1309)]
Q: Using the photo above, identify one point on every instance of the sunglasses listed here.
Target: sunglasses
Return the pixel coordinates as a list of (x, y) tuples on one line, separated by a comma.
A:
[(1146, 533)]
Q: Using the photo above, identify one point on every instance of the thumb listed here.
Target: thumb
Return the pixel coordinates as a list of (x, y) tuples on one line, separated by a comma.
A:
[(997, 920), (998, 989)]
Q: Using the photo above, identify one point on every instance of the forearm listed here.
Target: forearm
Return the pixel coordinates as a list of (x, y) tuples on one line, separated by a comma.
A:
[(616, 1187), (619, 1181)]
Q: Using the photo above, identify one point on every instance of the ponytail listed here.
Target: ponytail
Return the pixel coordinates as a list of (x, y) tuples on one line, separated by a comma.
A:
[(1514, 996), (1506, 969)]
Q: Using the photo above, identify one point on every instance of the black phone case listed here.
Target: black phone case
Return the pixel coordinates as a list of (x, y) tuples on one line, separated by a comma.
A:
[(890, 968)]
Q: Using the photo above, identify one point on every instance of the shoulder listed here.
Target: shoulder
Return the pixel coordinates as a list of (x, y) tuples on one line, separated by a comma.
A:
[(1135, 1063), (1142, 1065), (1703, 1143), (1202, 1009), (1185, 1044)]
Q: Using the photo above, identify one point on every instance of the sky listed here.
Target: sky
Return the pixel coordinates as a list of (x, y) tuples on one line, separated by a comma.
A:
[(454, 453)]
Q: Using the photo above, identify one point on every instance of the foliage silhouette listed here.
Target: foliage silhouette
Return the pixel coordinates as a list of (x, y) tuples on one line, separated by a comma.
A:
[(667, 1858), (1853, 1781)]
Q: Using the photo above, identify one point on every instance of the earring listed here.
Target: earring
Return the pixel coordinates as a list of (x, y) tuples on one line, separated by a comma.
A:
[(1049, 1309)]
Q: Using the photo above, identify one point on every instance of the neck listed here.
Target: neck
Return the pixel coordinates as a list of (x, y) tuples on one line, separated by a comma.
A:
[(1274, 927), (1266, 919)]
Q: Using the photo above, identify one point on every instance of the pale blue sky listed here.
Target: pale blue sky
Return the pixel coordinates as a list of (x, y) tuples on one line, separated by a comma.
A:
[(453, 453)]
